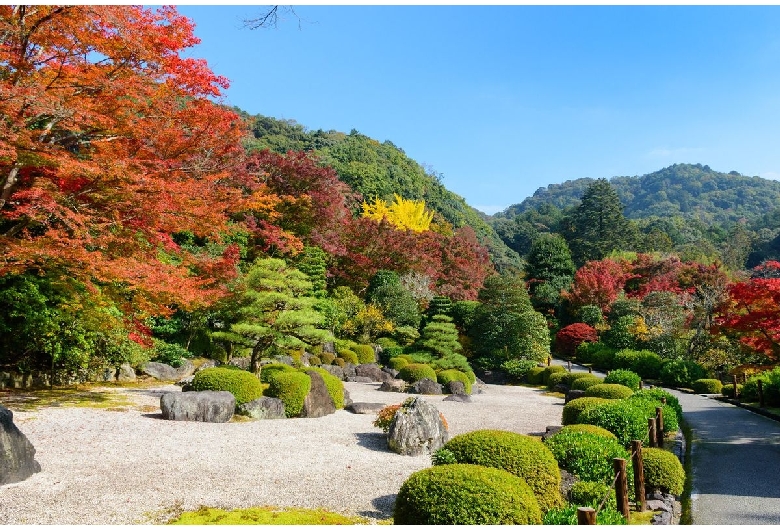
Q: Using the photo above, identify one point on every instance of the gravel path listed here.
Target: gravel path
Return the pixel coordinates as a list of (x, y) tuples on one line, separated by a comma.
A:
[(132, 467)]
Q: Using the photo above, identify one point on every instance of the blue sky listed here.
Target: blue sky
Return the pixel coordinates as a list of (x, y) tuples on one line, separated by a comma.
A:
[(503, 100)]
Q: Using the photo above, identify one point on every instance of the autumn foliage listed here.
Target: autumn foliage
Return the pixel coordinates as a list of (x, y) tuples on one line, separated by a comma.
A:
[(568, 338)]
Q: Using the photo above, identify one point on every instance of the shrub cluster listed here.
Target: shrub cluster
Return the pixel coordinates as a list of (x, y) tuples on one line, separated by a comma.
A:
[(586, 493), (707, 386), (244, 385), (608, 391), (728, 390), (535, 376), (411, 373), (518, 368), (575, 407), (291, 388), (643, 362), (465, 494), (327, 358), (771, 386), (396, 363), (681, 373), (626, 420), (623, 377), (592, 429), (446, 376), (568, 516), (587, 455), (587, 381), (549, 370), (663, 471), (648, 403)]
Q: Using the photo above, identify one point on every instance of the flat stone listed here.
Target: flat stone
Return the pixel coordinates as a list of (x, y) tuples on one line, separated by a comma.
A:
[(365, 408), (207, 406), (460, 398), (359, 379), (264, 408), (396, 385)]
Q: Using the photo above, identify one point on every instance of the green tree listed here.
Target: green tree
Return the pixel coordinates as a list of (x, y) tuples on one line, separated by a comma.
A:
[(313, 262), (440, 337), (397, 303), (550, 270)]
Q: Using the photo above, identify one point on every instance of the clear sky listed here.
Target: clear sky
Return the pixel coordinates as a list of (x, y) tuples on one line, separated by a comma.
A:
[(503, 100)]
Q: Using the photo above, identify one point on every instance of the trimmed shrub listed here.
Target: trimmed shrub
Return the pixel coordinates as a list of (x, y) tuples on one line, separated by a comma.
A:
[(244, 385), (585, 493), (269, 371), (604, 358), (623, 377), (728, 390), (663, 471), (707, 386), (556, 379), (443, 457), (609, 391), (327, 358), (584, 383), (771, 383), (465, 494), (658, 394), (643, 362), (338, 361), (587, 455), (681, 373), (592, 429), (365, 354), (519, 454), (549, 370), (534, 375), (349, 356), (291, 388), (573, 409), (411, 373), (625, 419), (568, 516), (517, 368), (314, 361), (569, 377), (334, 385), (672, 410), (446, 376), (396, 363)]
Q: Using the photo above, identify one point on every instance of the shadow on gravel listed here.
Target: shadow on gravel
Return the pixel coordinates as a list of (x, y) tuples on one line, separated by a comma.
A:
[(376, 441), (384, 507), (157, 416)]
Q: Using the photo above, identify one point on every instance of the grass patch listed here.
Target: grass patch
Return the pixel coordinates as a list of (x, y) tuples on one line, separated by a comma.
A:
[(268, 515), (641, 517), (80, 396)]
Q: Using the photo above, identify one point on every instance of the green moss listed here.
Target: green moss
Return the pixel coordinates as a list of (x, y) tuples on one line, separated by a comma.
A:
[(81, 396), (244, 385), (519, 454), (663, 471), (291, 388), (266, 515), (465, 494), (609, 391), (446, 376), (334, 385), (411, 373), (573, 409)]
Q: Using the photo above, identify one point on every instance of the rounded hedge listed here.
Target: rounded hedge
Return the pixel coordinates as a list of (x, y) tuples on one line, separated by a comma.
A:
[(569, 378), (586, 493), (623, 377), (659, 394), (445, 376), (555, 379), (338, 361), (609, 391), (519, 454), (291, 388), (245, 386), (314, 361), (592, 429), (334, 385), (651, 399), (327, 358), (396, 363), (587, 455), (663, 471), (534, 376), (349, 356), (643, 362), (269, 371), (549, 370), (707, 386), (573, 409), (625, 419), (365, 354), (681, 373), (465, 494), (728, 390), (584, 383), (411, 373)]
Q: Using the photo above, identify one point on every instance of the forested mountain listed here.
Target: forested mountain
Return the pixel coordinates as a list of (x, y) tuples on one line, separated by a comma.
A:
[(380, 170)]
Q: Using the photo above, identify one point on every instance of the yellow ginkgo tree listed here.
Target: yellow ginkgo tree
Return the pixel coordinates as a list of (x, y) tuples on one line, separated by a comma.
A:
[(403, 213)]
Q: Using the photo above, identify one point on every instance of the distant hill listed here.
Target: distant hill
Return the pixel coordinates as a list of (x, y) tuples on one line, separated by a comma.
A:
[(379, 170), (690, 191)]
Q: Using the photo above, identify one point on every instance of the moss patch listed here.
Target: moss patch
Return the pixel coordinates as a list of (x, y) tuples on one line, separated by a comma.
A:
[(267, 515), (80, 396)]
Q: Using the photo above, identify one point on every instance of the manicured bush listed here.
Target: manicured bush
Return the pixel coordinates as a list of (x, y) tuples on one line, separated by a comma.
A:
[(592, 429), (411, 373), (586, 493), (609, 391), (707, 386), (587, 381), (443, 457), (269, 371), (549, 370), (569, 377), (672, 411), (643, 362), (534, 376), (771, 385), (314, 361), (396, 363), (568, 516), (573, 409), (244, 385), (365, 354), (349, 356), (465, 494), (334, 385), (327, 358), (681, 373), (291, 388), (555, 379), (663, 471), (518, 368), (658, 394), (626, 420), (519, 454), (446, 376), (728, 390), (338, 361), (587, 455), (623, 377)]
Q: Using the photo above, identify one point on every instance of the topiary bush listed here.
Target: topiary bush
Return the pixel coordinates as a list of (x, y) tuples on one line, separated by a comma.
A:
[(586, 493), (534, 376), (314, 360), (334, 385), (365, 354), (569, 377), (623, 377), (592, 429), (396, 363), (519, 454), (587, 455), (663, 471), (587, 381), (573, 409), (291, 388), (608, 391), (645, 363), (549, 370), (244, 385), (411, 373), (681, 373), (327, 358), (446, 376), (707, 386), (465, 494), (659, 394), (349, 356), (555, 379), (517, 368), (625, 419), (269, 371)]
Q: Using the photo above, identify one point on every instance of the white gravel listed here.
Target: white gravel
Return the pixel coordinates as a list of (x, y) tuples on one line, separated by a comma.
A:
[(132, 467)]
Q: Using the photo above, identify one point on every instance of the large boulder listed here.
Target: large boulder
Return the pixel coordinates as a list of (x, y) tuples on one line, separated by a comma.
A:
[(166, 372), (396, 385), (417, 429), (425, 386), (318, 402), (208, 406), (334, 370), (456, 387), (17, 454), (349, 370), (264, 408), (460, 398), (126, 373), (374, 372)]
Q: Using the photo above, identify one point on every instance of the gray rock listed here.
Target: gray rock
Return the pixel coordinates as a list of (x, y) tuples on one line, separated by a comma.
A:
[(329, 347), (349, 370), (573, 394), (425, 386), (318, 402), (208, 406), (455, 387), (655, 505), (347, 398), (166, 372), (334, 370), (416, 429), (359, 379), (373, 371), (242, 362), (108, 374), (284, 359), (126, 373), (460, 398), (396, 385), (17, 454), (211, 363), (265, 408), (561, 389), (365, 408), (390, 371)]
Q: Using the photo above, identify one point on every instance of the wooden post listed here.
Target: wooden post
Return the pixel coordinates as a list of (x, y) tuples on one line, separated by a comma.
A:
[(569, 365), (640, 384), (639, 475), (734, 380), (651, 431), (590, 369), (663, 400), (621, 486), (760, 393), (586, 515), (549, 360), (659, 425)]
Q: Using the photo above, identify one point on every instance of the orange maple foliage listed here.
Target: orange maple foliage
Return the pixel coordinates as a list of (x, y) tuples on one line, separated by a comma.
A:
[(110, 143)]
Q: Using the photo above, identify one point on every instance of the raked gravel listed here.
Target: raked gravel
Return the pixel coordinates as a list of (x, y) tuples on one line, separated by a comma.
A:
[(132, 467)]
